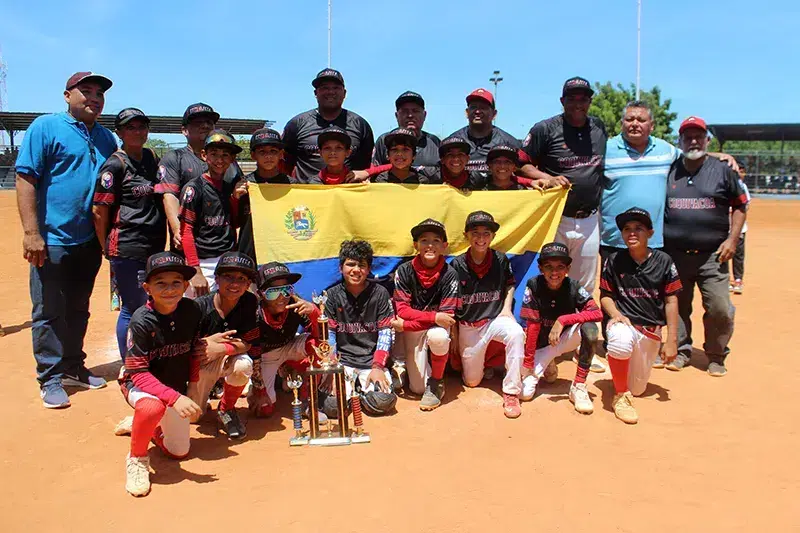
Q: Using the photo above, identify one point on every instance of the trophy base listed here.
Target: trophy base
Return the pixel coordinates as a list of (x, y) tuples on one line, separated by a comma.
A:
[(330, 441), (359, 439), (298, 441)]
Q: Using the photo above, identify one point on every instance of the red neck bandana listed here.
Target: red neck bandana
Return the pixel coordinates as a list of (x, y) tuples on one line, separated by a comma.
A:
[(482, 269), (459, 182), (275, 322), (427, 276), (332, 179)]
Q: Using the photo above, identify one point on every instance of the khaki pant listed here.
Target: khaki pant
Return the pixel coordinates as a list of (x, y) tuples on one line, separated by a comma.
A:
[(236, 369)]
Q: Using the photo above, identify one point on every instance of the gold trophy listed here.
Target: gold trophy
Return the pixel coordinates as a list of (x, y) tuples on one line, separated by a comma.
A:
[(359, 435), (300, 438)]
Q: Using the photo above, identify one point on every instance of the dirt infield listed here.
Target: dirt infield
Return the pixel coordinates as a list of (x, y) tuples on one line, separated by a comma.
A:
[(708, 454)]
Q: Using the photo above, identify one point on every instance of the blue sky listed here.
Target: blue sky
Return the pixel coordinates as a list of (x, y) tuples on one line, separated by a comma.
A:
[(728, 61)]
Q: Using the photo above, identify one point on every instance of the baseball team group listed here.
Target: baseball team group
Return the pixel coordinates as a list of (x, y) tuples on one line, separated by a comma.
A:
[(202, 317)]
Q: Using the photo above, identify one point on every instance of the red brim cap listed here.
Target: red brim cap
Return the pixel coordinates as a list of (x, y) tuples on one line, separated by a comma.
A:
[(481, 94), (80, 77), (693, 122)]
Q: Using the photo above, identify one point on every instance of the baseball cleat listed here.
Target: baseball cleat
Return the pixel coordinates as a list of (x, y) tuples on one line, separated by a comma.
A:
[(717, 370), (551, 372), (579, 397), (597, 365), (678, 363), (624, 409), (399, 378), (529, 383), (137, 475), (432, 398), (511, 407), (124, 427), (231, 424), (738, 287), (488, 373)]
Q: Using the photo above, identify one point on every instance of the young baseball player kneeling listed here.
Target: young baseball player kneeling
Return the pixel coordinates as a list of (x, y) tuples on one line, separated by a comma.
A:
[(485, 313), (230, 310), (639, 292), (557, 311), (162, 336), (281, 313), (426, 299), (360, 330)]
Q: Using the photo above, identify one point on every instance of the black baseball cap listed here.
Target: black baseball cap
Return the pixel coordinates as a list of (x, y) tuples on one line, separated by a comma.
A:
[(409, 96), (236, 262), (431, 225), (481, 218), (265, 137), (577, 84), (333, 133), (554, 250), (167, 262), (402, 137), (634, 213), (503, 150), (223, 139), (454, 142), (128, 114), (199, 110), (327, 74), (79, 77), (274, 270)]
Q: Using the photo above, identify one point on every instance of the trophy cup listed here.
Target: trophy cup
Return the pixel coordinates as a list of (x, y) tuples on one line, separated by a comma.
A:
[(300, 438), (358, 436)]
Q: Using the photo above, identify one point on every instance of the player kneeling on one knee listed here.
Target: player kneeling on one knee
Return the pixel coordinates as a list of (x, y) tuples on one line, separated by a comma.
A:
[(281, 313), (426, 299), (485, 311), (556, 310), (360, 331), (162, 336), (229, 312), (639, 288)]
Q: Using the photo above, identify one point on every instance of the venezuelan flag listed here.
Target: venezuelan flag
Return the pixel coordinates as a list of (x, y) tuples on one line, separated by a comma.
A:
[(304, 225)]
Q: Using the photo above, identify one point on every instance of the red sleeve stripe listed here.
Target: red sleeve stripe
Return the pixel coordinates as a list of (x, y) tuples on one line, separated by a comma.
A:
[(590, 306), (171, 188), (605, 285), (385, 323), (104, 198), (251, 335), (739, 200), (187, 215), (673, 287), (529, 314), (449, 304), (401, 296), (136, 362)]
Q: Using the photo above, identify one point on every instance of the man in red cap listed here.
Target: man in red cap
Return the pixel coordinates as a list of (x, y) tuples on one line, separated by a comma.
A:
[(701, 239), (56, 172)]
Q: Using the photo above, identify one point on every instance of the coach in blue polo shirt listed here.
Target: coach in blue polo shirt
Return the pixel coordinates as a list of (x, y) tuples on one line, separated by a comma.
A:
[(56, 172)]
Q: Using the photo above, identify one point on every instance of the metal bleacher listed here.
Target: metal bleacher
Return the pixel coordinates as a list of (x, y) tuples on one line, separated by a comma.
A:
[(7, 178)]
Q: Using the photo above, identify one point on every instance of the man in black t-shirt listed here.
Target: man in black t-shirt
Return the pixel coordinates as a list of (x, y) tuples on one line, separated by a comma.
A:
[(360, 330), (411, 115), (701, 239), (639, 291), (302, 151)]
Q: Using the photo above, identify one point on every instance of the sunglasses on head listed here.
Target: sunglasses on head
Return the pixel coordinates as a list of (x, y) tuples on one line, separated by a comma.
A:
[(273, 293)]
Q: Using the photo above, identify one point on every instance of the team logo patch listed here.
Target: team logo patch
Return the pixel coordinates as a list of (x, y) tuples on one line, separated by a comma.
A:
[(300, 223), (188, 194), (106, 180), (527, 140), (583, 294), (162, 172), (526, 298)]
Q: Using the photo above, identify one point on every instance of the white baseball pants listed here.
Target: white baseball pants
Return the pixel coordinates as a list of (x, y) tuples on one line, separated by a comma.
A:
[(416, 344), (362, 374), (473, 342), (582, 237), (272, 360), (174, 428), (207, 267), (627, 342), (570, 340)]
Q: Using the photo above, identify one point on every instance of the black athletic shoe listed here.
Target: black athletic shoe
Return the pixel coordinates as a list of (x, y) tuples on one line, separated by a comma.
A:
[(217, 389), (231, 424)]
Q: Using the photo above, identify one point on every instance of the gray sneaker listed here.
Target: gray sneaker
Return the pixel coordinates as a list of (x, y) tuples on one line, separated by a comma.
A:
[(658, 363), (434, 392), (717, 370), (54, 396), (678, 363), (83, 379)]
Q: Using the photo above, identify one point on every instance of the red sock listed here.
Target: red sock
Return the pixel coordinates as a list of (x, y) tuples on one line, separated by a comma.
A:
[(146, 416), (230, 394), (619, 373), (580, 375), (438, 363)]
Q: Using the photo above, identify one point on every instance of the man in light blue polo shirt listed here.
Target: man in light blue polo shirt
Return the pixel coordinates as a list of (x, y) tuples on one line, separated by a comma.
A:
[(56, 173)]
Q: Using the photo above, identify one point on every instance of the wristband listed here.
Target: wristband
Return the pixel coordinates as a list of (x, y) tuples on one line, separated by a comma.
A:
[(230, 349)]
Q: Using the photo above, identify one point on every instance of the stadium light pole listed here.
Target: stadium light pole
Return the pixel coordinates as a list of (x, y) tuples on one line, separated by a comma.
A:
[(329, 33), (638, 48), (495, 79)]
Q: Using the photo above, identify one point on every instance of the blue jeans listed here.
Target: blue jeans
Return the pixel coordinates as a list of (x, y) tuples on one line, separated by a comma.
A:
[(60, 291), (126, 271)]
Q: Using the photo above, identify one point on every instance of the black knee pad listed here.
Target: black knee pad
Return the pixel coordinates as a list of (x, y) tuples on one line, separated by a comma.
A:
[(590, 332), (378, 403)]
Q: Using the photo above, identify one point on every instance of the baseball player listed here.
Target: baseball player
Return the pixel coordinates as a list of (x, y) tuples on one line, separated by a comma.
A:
[(230, 310), (266, 149), (485, 312), (208, 208), (557, 312), (360, 330), (129, 214), (281, 313), (452, 169), (179, 167), (161, 338), (334, 146), (639, 292), (426, 299), (737, 287), (502, 161), (401, 145), (300, 135), (411, 114)]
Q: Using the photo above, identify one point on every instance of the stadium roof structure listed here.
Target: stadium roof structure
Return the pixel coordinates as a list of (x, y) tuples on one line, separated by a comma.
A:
[(755, 132), (13, 122)]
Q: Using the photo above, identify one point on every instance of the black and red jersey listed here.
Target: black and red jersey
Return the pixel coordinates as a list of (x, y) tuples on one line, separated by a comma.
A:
[(300, 142), (578, 154), (482, 296), (697, 212), (514, 186), (206, 206), (414, 178), (417, 303), (132, 191), (479, 147), (179, 167), (163, 344), (639, 291), (542, 305), (246, 243), (242, 318), (467, 181), (277, 332), (356, 320), (425, 157)]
